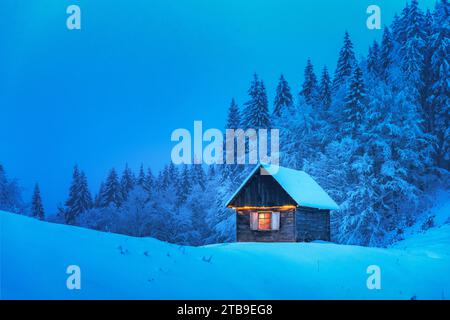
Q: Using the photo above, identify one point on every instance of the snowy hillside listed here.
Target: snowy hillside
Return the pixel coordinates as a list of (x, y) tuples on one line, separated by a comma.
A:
[(35, 255)]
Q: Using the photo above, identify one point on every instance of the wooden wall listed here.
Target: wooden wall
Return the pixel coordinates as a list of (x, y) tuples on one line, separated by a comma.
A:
[(285, 234), (312, 225), (262, 191)]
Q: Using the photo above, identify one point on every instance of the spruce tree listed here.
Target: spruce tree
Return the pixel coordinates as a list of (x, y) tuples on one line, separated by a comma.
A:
[(80, 199), (10, 195), (98, 197), (354, 106), (112, 193), (84, 198), (141, 177), (309, 87), (37, 209), (412, 50), (73, 190), (345, 63), (283, 103), (427, 75), (149, 181), (399, 25), (233, 122), (440, 92), (126, 182), (373, 60), (198, 176), (184, 185), (386, 49), (325, 90), (234, 117), (256, 111)]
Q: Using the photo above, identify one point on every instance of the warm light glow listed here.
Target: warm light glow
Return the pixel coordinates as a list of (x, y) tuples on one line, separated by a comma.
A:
[(264, 221), (284, 207)]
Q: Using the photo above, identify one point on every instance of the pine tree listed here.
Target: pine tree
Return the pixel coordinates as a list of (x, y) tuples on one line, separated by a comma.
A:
[(73, 191), (309, 87), (373, 60), (84, 198), (399, 25), (354, 106), (141, 177), (234, 117), (126, 182), (112, 193), (385, 60), (80, 199), (149, 181), (440, 92), (172, 174), (256, 111), (184, 185), (37, 209), (10, 195), (233, 122), (345, 63), (412, 51), (325, 90), (198, 176), (283, 102), (98, 197), (427, 75)]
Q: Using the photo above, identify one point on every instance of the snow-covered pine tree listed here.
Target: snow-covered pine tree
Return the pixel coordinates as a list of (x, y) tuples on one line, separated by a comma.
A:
[(80, 198), (399, 26), (184, 185), (256, 111), (98, 196), (73, 194), (160, 182), (172, 174), (283, 102), (385, 59), (140, 181), (345, 63), (439, 99), (127, 182), (10, 195), (412, 51), (233, 122), (198, 176), (373, 60), (149, 181), (233, 116), (325, 90), (355, 104), (427, 74), (112, 193), (309, 86), (37, 208), (84, 195)]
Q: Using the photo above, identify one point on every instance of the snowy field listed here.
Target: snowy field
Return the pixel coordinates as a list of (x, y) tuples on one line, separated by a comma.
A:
[(35, 255)]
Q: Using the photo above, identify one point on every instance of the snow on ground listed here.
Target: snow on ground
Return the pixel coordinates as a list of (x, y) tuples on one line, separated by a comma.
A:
[(35, 255), (430, 234)]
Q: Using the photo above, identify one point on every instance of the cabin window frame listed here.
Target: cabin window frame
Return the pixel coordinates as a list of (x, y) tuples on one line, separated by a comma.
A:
[(269, 222), (273, 223)]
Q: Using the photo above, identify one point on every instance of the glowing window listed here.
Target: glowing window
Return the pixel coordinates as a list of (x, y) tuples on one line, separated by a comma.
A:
[(264, 220)]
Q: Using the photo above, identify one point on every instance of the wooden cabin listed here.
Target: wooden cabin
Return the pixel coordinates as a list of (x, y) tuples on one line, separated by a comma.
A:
[(277, 204)]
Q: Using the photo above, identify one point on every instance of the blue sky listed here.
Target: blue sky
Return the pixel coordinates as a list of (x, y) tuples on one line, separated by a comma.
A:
[(114, 91)]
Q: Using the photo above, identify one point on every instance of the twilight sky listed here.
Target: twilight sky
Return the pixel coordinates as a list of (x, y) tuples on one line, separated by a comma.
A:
[(114, 91)]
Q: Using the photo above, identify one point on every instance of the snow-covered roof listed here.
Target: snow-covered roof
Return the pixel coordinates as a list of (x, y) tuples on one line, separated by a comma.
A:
[(302, 188)]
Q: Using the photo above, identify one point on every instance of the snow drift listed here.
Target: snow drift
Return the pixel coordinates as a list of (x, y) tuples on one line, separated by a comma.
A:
[(35, 255)]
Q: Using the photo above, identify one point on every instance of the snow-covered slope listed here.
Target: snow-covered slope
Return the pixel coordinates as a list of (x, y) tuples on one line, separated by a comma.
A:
[(35, 255)]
